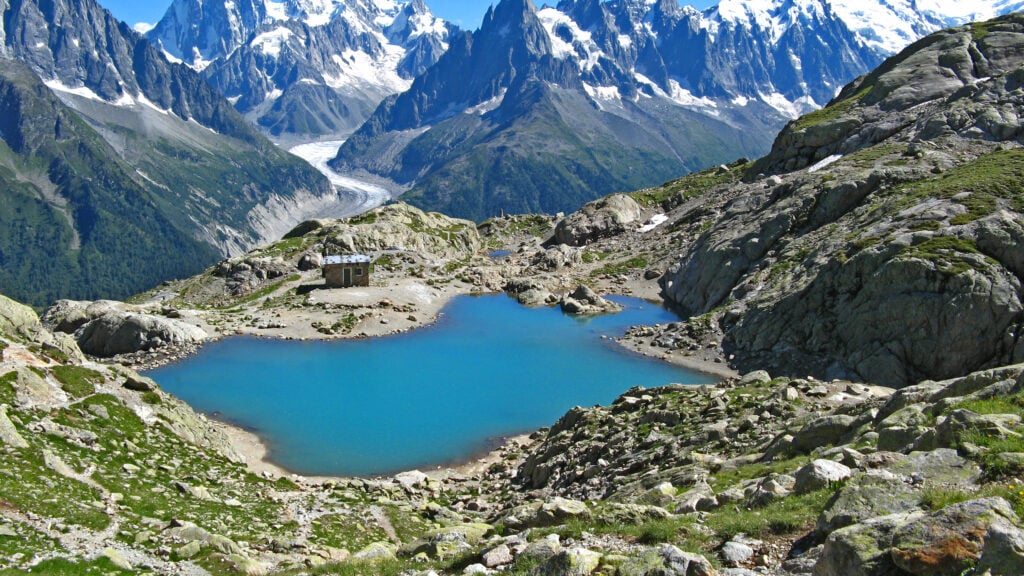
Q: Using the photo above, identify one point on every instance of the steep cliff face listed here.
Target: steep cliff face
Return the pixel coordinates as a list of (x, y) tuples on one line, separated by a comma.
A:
[(126, 169), (886, 228)]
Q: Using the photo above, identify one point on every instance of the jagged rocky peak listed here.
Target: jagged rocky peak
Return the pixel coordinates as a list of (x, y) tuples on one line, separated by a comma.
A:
[(199, 32), (303, 69), (51, 41)]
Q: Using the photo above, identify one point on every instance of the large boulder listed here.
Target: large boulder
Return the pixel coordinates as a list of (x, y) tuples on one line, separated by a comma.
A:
[(868, 495), (666, 560), (571, 562), (863, 549), (950, 541), (819, 474), (601, 218), (107, 328), (17, 319), (823, 431), (124, 333)]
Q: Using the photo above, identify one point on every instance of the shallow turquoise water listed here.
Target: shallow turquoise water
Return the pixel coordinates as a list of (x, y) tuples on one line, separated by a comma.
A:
[(488, 368)]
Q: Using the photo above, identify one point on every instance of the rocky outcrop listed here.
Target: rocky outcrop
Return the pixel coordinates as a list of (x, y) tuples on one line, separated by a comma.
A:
[(396, 226), (886, 234), (20, 323), (245, 273), (608, 216), (530, 292), (584, 301), (739, 445), (107, 328)]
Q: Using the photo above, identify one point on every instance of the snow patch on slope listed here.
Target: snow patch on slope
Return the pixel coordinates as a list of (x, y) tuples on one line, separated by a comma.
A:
[(580, 45), (270, 42), (359, 69)]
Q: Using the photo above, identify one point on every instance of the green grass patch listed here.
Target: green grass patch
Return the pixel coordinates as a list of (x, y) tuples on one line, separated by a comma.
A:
[(788, 515), (678, 531), (533, 224), (1013, 404), (364, 218), (622, 267), (993, 446), (380, 568), (77, 381), (1012, 493), (286, 247), (7, 393), (28, 485), (935, 498), (407, 524), (724, 479), (265, 291), (65, 567), (981, 186), (350, 531), (979, 30), (946, 252), (831, 112), (692, 185), (927, 225)]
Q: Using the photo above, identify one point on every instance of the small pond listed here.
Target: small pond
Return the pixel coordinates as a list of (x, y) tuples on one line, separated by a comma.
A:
[(488, 368)]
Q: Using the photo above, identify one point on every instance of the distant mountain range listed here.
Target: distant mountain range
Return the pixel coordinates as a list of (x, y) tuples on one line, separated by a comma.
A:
[(540, 110), (120, 169), (304, 68)]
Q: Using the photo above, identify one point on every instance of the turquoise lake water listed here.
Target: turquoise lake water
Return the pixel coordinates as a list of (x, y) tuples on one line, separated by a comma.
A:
[(487, 368)]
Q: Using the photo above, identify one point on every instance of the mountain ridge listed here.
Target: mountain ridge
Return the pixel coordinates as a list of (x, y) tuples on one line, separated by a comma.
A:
[(174, 145), (629, 64), (304, 70)]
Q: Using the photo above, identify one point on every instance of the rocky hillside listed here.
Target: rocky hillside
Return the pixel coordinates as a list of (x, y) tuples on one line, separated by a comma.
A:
[(878, 230), (122, 169), (756, 475)]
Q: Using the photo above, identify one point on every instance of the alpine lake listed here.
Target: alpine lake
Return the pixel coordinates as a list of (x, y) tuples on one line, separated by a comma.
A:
[(489, 368)]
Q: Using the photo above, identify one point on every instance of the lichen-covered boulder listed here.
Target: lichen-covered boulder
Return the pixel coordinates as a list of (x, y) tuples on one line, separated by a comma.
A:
[(666, 560), (601, 218), (819, 474), (949, 541)]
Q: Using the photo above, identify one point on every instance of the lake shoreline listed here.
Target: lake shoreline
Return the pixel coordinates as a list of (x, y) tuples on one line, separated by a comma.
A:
[(258, 453)]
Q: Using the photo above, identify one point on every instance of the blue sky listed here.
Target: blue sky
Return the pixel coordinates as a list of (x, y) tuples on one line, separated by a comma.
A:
[(465, 13)]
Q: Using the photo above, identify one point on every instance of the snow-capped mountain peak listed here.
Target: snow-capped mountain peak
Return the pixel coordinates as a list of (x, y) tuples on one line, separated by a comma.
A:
[(886, 26), (890, 25), (306, 68)]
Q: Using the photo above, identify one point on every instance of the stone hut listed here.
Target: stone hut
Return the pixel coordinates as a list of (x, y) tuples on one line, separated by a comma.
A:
[(348, 270)]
